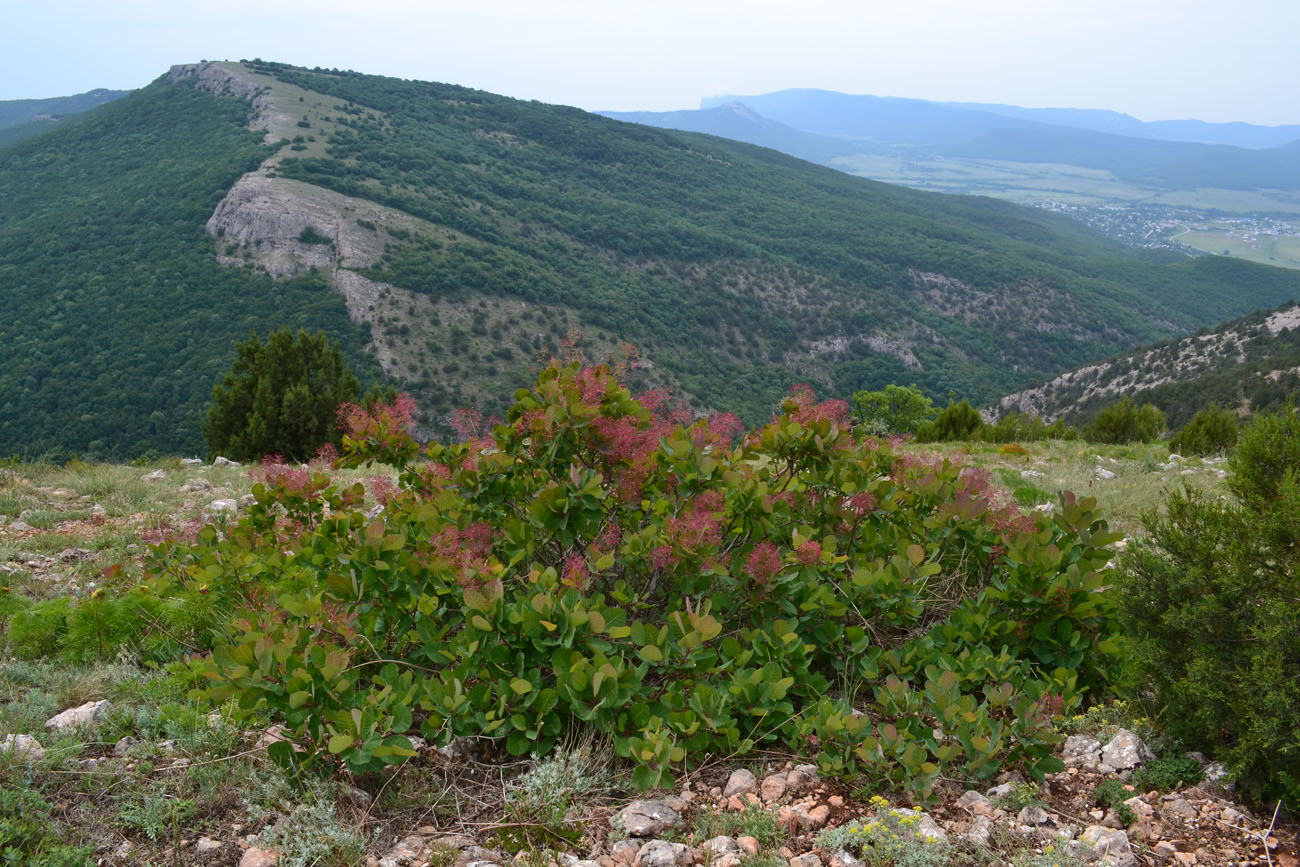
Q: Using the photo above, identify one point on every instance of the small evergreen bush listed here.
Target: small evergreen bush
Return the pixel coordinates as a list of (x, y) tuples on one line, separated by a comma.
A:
[(1123, 422), (280, 397), (1210, 601), (1211, 431)]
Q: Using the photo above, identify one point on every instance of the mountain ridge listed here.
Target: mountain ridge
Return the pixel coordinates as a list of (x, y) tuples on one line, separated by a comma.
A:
[(449, 237)]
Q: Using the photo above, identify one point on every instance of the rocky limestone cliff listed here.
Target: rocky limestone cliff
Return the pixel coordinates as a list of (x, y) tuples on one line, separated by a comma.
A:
[(1178, 361)]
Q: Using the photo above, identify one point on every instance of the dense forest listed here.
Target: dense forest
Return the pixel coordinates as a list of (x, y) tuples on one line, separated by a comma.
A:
[(115, 318), (735, 271)]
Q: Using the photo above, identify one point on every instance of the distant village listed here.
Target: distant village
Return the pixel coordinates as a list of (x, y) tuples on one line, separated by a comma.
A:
[(1158, 226)]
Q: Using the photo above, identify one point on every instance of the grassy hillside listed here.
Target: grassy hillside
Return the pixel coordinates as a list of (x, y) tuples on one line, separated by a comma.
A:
[(471, 232)]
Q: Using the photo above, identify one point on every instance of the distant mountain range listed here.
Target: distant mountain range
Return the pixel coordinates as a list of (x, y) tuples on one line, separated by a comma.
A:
[(449, 238), (20, 118), (827, 127)]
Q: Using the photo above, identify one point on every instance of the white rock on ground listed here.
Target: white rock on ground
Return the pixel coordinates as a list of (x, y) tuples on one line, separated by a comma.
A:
[(1080, 751), (1108, 844), (224, 462), (721, 845), (661, 853), (155, 476), (1125, 751), (226, 506), (25, 747), (645, 818), (75, 717)]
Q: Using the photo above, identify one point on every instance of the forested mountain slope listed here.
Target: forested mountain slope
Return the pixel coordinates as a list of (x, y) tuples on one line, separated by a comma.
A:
[(23, 118), (1249, 365), (472, 232)]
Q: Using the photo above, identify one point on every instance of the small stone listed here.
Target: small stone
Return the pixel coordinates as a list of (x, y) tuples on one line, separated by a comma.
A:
[(979, 830), (208, 847), (624, 851), (1033, 814), (748, 845), (74, 555), (255, 857), (1003, 790), (976, 803), (1179, 808), (816, 818), (1109, 844), (76, 717), (1125, 751), (21, 526), (191, 462), (223, 506), (740, 803), (247, 500), (1164, 852), (123, 746), (224, 462), (661, 853), (722, 845), (25, 747), (1080, 750), (925, 826), (802, 778), (731, 859), (807, 860), (788, 818), (606, 861), (740, 782), (1232, 816), (835, 801), (772, 787), (155, 476), (1185, 859), (1104, 474), (646, 818)]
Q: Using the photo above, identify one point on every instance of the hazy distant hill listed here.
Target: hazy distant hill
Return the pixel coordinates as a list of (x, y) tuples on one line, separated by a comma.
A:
[(824, 126), (1249, 364), (451, 236), (1237, 134), (20, 118)]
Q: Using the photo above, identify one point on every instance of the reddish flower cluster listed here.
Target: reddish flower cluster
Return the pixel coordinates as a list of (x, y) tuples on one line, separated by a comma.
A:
[(380, 422), (763, 563), (382, 489), (862, 503), (802, 406), (809, 553), (465, 551), (274, 472), (575, 574)]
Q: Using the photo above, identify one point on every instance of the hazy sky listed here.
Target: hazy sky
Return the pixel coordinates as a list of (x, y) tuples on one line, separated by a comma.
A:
[(1155, 59)]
